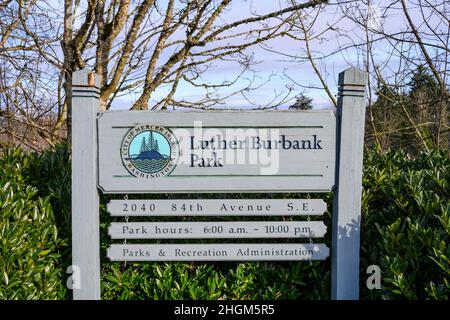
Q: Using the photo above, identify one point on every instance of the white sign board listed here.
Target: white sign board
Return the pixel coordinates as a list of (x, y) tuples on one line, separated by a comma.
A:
[(217, 252), (216, 151), (217, 230), (217, 207)]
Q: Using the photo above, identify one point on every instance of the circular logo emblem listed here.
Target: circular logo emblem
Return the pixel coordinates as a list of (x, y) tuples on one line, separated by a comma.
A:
[(149, 151)]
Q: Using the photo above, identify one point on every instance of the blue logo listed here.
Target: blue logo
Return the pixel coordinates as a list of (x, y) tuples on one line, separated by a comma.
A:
[(149, 151)]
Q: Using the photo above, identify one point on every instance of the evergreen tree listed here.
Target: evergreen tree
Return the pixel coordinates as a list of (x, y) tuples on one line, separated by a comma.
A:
[(429, 107), (422, 80), (386, 127), (302, 102), (143, 145), (151, 141), (414, 118)]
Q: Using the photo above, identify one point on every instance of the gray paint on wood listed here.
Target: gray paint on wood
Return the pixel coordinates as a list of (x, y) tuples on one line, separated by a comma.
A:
[(347, 196), (218, 252), (299, 170), (217, 230), (216, 207), (347, 200), (85, 201)]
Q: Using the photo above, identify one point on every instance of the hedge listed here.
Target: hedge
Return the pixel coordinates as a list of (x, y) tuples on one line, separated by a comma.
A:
[(405, 231)]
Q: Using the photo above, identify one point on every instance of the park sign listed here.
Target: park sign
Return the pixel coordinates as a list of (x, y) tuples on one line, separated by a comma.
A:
[(216, 151), (125, 153), (215, 252), (217, 230), (215, 207)]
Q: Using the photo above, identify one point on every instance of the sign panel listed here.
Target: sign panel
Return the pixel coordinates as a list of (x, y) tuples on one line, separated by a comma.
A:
[(217, 207), (216, 151), (217, 252), (217, 230), (212, 152)]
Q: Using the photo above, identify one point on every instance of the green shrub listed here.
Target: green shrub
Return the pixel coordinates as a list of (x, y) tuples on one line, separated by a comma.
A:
[(30, 245), (406, 226), (50, 172), (405, 230)]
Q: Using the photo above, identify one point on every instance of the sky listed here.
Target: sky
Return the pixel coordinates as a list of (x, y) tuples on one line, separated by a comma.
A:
[(272, 70), (276, 74)]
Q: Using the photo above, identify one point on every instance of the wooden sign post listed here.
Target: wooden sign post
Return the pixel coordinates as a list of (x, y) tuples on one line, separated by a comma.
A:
[(347, 194), (85, 199), (127, 152)]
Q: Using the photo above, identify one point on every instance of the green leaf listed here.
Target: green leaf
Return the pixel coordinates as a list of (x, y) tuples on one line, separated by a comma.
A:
[(5, 278), (44, 252)]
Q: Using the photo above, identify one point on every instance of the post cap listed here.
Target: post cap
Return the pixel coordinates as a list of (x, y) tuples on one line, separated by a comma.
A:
[(353, 76), (85, 78)]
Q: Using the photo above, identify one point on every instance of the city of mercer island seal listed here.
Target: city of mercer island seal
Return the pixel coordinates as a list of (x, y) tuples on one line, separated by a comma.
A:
[(149, 151)]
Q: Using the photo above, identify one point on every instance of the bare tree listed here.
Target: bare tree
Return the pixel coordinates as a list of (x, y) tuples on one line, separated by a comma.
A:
[(27, 65), (137, 47), (149, 49), (150, 44), (391, 40), (421, 40)]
